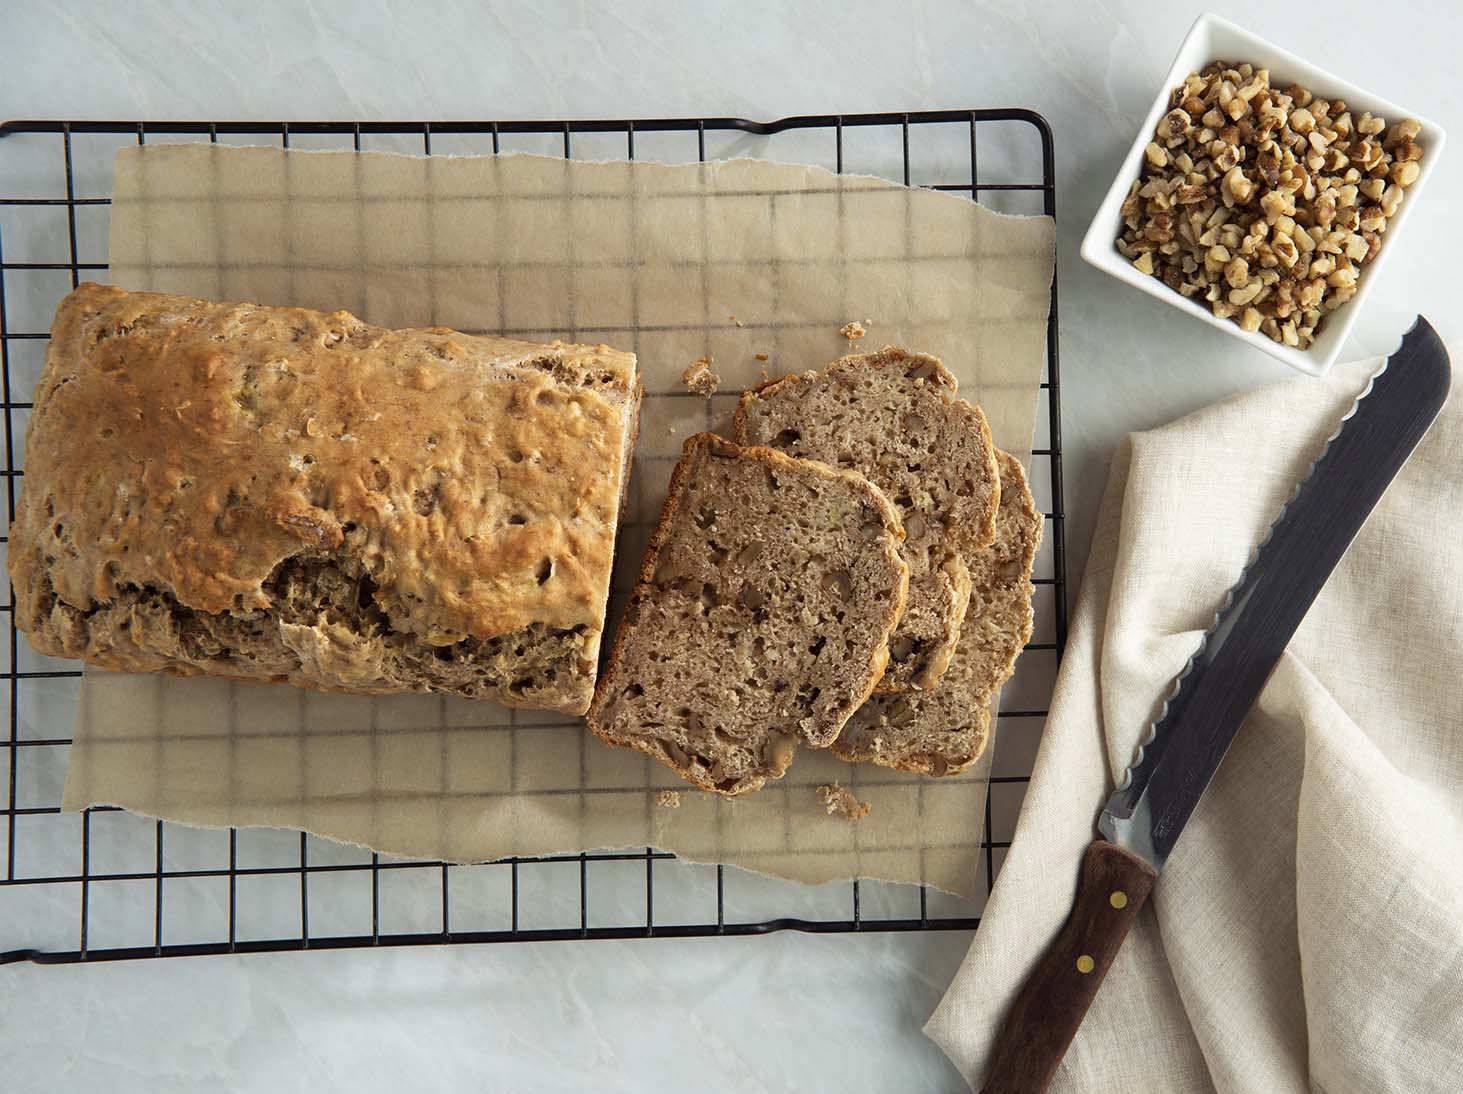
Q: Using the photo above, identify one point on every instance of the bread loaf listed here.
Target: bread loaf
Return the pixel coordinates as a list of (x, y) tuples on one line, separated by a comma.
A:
[(281, 494), (761, 617)]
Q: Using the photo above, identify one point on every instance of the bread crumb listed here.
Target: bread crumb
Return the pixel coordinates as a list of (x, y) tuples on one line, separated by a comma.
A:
[(735, 320), (672, 430), (760, 356), (840, 800), (853, 330), (699, 378), (671, 799), (766, 377)]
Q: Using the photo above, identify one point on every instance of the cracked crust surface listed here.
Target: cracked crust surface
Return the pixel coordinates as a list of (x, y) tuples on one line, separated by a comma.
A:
[(284, 494)]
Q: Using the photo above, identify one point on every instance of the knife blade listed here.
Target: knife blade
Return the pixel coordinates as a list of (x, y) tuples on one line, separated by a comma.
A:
[(1210, 698)]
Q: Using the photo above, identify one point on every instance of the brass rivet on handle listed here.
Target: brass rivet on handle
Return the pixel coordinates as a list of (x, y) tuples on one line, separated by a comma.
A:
[(1118, 899), (1085, 964)]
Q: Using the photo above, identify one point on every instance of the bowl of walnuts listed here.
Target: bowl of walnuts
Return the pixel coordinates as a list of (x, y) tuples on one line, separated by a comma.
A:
[(1262, 195)]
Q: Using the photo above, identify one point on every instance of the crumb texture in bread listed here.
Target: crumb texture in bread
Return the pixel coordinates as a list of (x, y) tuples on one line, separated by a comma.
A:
[(761, 618), (894, 417), (278, 493), (944, 731)]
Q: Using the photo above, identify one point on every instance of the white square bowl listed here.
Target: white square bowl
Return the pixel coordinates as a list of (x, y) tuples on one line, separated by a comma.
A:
[(1210, 39)]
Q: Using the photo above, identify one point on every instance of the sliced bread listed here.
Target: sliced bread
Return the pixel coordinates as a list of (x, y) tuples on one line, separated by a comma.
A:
[(761, 617), (944, 731), (894, 417)]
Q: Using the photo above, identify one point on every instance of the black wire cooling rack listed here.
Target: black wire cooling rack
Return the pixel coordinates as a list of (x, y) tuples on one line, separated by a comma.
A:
[(107, 885)]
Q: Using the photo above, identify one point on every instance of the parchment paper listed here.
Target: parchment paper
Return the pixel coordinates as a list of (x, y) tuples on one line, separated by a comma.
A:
[(731, 259)]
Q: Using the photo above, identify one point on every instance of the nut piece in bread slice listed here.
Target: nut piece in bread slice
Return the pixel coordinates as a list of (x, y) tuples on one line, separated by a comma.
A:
[(761, 617), (944, 731), (893, 416)]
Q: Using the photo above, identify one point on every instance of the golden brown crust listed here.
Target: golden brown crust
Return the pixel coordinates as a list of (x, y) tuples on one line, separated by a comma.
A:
[(191, 448), (675, 491)]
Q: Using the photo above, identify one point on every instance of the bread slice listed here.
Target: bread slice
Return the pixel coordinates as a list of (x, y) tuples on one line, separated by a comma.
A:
[(761, 617), (942, 732), (894, 417)]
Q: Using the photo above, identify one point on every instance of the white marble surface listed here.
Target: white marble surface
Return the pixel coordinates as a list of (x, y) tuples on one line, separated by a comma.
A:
[(781, 1013)]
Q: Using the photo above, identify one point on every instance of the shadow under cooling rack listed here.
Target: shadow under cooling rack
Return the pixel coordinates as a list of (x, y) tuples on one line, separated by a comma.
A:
[(107, 885)]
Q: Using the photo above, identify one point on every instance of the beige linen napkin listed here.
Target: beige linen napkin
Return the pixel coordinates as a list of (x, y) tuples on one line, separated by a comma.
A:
[(1308, 931)]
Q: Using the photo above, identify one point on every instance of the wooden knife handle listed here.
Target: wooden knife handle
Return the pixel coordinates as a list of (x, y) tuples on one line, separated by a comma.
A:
[(1045, 1016)]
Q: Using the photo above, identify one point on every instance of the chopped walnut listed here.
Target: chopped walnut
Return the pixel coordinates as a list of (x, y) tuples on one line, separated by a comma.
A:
[(699, 378), (1265, 203), (670, 799), (839, 800), (852, 330)]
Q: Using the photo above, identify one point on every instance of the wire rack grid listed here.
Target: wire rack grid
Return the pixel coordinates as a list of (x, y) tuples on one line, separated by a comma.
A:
[(108, 885)]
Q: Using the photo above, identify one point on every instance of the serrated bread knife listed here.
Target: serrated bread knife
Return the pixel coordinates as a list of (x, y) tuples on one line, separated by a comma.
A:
[(1209, 700)]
